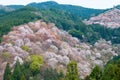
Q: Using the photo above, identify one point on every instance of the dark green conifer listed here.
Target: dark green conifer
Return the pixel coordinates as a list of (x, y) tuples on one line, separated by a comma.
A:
[(7, 73), (17, 73), (108, 73), (96, 73)]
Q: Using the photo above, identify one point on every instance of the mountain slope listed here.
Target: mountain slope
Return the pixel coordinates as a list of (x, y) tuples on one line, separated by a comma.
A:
[(50, 15), (4, 9), (15, 6), (63, 20), (17, 17), (56, 47), (110, 19), (83, 13)]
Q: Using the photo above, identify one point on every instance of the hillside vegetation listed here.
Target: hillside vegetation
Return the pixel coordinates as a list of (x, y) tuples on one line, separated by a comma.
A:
[(49, 41), (17, 17), (81, 12), (4, 9), (63, 20), (46, 46)]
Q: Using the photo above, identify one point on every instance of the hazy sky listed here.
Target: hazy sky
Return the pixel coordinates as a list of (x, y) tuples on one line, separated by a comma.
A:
[(101, 4)]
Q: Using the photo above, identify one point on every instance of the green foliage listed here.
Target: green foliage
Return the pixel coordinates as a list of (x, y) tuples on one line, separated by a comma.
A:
[(5, 55), (35, 67), (17, 73), (37, 58), (115, 59), (81, 12), (110, 72), (87, 78), (23, 72), (96, 73), (25, 68), (107, 33), (23, 78), (7, 73), (72, 71), (76, 33), (51, 74), (15, 6), (62, 19), (36, 62), (18, 17), (2, 12), (26, 48)]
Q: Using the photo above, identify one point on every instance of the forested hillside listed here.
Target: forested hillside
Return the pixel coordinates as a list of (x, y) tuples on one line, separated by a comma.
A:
[(15, 6), (81, 12), (50, 41), (17, 17), (4, 9), (63, 20), (39, 45)]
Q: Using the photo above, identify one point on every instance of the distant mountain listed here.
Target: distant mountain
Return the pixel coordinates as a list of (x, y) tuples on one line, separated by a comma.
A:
[(118, 6), (110, 18), (4, 9), (15, 6), (83, 13), (47, 4)]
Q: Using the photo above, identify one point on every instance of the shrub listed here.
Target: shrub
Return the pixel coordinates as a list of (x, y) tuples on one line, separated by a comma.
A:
[(37, 58), (7, 72), (36, 62), (35, 66), (26, 48), (5, 55)]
